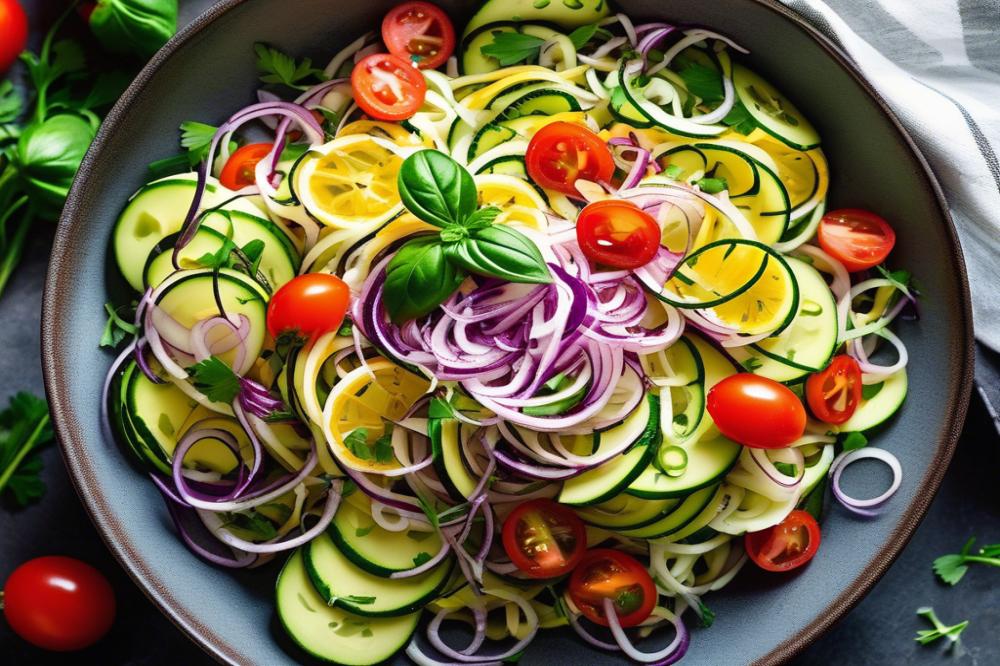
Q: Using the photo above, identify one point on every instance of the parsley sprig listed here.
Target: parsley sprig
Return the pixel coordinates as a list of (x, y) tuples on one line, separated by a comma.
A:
[(279, 68), (24, 429), (940, 630), (951, 568)]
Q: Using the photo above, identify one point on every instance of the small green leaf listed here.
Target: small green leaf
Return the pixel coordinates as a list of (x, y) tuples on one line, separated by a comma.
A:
[(712, 185), (582, 35), (279, 68), (869, 391), (701, 81), (739, 119), (116, 328), (854, 440), (706, 615), (752, 363), (418, 279), (421, 558), (216, 380), (356, 442), (436, 188), (481, 218), (502, 252), (510, 48)]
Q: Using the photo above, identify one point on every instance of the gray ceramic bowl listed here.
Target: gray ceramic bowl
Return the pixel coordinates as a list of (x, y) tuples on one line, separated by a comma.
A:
[(207, 71)]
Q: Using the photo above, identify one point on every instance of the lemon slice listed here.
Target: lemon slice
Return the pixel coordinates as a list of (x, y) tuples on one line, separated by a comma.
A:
[(350, 182), (519, 202), (364, 398), (391, 131)]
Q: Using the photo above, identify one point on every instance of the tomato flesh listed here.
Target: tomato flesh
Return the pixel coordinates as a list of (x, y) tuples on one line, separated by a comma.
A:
[(310, 304), (857, 238), (387, 87), (58, 603), (13, 32), (544, 539), (756, 411), (606, 574), (618, 234), (561, 153), (239, 169), (834, 393), (419, 32), (786, 546)]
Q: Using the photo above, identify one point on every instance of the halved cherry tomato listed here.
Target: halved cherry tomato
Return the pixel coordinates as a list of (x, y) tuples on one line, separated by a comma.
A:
[(388, 87), (786, 546), (756, 411), (239, 170), (617, 233), (58, 603), (610, 574), (561, 153), (544, 538), (420, 32), (311, 304), (857, 238), (833, 394), (13, 32)]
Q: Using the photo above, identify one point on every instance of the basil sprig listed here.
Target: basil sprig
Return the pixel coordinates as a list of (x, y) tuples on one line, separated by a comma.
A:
[(428, 269)]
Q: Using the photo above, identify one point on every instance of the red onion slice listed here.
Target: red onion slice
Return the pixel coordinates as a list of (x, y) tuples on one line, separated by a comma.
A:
[(865, 507)]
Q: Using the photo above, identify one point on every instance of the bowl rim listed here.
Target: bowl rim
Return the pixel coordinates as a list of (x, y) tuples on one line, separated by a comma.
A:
[(119, 542)]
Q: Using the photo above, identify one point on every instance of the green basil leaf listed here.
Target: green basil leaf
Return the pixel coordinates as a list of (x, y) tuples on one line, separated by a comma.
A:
[(137, 27), (500, 251), (418, 279), (436, 188)]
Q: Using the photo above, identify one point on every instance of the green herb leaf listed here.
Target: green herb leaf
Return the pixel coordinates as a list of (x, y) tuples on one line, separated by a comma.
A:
[(116, 329), (346, 329), (107, 88), (788, 469), (952, 633), (706, 615), (582, 35), (24, 429), (136, 27), (421, 558), (252, 523), (951, 568), (752, 363), (510, 48), (279, 68), (854, 440), (702, 81), (815, 501), (869, 391), (11, 104), (196, 139), (418, 279), (481, 218), (436, 188), (356, 442), (739, 119), (502, 252), (215, 379), (440, 409), (382, 448)]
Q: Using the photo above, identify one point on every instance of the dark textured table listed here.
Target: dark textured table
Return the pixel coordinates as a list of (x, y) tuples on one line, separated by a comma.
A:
[(879, 631)]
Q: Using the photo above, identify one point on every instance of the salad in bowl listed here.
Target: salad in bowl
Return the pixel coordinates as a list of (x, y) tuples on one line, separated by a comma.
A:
[(543, 323)]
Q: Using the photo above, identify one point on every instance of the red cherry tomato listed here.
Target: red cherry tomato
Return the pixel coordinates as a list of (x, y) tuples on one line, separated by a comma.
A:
[(13, 32), (419, 32), (786, 546), (610, 574), (617, 233), (388, 87), (856, 238), (239, 170), (561, 153), (544, 538), (756, 411), (58, 603), (834, 393), (312, 304)]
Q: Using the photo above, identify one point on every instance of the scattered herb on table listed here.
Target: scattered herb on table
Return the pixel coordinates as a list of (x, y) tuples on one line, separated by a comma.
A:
[(940, 630), (951, 568), (24, 429)]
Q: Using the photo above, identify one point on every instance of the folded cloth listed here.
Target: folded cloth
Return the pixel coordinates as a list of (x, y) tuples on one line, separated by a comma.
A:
[(937, 63)]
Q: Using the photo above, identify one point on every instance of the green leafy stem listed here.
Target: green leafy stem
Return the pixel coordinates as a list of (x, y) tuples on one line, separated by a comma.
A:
[(428, 269)]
